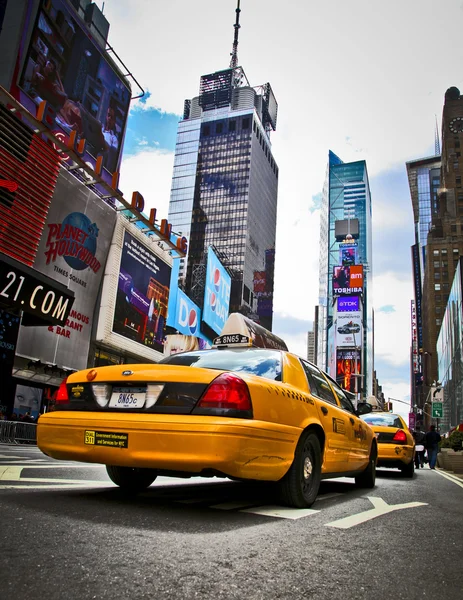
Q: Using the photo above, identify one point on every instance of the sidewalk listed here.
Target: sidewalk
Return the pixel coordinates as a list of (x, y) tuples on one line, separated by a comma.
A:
[(451, 473)]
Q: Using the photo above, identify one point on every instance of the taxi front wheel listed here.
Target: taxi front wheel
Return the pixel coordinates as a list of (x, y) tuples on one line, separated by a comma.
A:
[(131, 479), (299, 487)]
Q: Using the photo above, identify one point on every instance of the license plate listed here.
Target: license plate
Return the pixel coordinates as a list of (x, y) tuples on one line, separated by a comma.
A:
[(123, 397), (106, 438)]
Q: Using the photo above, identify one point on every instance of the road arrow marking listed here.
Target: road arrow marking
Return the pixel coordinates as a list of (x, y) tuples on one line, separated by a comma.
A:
[(281, 512), (380, 508)]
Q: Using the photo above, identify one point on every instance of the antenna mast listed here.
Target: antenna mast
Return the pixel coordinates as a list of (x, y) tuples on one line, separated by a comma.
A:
[(436, 139), (234, 52)]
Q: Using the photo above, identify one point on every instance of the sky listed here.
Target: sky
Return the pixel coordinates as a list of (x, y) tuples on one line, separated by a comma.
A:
[(363, 78)]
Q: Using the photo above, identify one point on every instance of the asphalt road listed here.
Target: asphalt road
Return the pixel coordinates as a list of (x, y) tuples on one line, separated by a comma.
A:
[(68, 533)]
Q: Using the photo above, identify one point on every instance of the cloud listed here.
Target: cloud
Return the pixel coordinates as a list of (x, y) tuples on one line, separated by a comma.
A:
[(388, 308)]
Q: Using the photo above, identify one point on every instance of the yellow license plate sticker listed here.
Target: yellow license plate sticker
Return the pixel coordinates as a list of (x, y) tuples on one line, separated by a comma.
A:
[(106, 438)]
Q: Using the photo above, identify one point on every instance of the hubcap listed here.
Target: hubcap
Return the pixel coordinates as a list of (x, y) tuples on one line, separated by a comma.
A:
[(308, 467)]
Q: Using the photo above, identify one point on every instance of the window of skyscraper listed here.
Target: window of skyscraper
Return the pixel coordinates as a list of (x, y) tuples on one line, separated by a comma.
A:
[(245, 123), (232, 126)]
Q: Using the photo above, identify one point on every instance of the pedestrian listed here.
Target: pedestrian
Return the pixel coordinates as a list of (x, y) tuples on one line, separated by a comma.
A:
[(420, 438), (432, 445)]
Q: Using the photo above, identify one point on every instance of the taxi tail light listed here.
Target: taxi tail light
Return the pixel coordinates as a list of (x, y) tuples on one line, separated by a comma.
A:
[(62, 396), (400, 436), (227, 391)]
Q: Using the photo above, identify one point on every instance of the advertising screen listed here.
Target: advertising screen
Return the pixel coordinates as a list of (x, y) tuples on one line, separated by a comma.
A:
[(72, 251), (217, 293), (347, 280), (351, 303), (349, 329), (186, 316), (67, 69), (142, 295), (177, 342), (347, 367), (348, 254), (28, 172)]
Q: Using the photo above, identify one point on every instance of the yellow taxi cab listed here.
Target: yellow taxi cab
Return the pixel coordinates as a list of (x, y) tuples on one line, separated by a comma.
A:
[(247, 409), (396, 446)]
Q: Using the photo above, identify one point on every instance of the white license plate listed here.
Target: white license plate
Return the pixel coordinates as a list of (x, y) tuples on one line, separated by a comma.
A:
[(128, 398)]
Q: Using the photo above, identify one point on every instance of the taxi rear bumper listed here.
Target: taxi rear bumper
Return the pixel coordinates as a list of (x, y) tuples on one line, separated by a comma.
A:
[(237, 448), (394, 455)]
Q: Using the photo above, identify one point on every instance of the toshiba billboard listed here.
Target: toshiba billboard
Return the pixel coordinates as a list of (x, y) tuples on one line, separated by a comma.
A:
[(347, 280)]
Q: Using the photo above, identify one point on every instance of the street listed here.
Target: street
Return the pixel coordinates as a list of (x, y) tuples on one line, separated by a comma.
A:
[(68, 533)]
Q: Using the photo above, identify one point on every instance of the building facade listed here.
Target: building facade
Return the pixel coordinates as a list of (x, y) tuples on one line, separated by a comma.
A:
[(345, 328), (224, 189)]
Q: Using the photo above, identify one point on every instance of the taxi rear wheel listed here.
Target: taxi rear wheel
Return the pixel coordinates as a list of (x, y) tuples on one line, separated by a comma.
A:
[(131, 478), (299, 487), (367, 479), (408, 470)]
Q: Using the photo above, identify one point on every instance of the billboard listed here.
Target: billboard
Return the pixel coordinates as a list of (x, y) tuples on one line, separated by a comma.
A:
[(73, 250), (186, 315), (217, 293), (347, 280), (349, 329), (351, 303), (347, 367), (177, 342), (65, 67), (29, 169), (142, 294), (348, 254)]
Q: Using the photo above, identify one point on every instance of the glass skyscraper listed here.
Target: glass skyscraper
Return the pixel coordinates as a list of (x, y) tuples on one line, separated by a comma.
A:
[(224, 189), (346, 198)]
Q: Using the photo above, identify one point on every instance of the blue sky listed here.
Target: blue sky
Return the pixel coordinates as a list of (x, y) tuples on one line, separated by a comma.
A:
[(364, 79)]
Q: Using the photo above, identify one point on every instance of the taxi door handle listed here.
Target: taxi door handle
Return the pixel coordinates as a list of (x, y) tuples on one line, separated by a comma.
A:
[(324, 410), (351, 420)]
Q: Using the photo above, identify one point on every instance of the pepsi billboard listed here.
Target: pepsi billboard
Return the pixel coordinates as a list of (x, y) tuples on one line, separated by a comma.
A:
[(217, 293), (186, 317)]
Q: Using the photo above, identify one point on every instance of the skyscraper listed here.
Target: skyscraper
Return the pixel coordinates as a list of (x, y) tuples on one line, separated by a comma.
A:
[(224, 187), (345, 319)]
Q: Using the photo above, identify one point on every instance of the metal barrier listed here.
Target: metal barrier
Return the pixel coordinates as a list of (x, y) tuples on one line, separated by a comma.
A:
[(14, 432)]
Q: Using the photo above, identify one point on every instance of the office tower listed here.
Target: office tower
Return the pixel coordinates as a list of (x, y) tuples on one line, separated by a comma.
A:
[(311, 346), (424, 181), (224, 187), (345, 324), (445, 237)]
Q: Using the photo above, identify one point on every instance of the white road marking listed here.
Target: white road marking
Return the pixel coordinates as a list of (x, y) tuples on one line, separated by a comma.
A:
[(231, 505), (380, 508), (451, 477), (82, 485), (281, 512)]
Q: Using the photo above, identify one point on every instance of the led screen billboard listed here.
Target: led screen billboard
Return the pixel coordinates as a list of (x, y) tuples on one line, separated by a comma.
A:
[(348, 254), (65, 67), (186, 315), (349, 329), (72, 251), (217, 293), (348, 304), (347, 280), (347, 367), (142, 295)]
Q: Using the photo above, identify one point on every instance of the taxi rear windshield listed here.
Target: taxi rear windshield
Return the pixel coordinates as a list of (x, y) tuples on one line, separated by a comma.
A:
[(383, 420), (255, 361)]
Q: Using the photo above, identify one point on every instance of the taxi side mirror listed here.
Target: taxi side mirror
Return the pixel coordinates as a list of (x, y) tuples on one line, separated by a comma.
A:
[(363, 408)]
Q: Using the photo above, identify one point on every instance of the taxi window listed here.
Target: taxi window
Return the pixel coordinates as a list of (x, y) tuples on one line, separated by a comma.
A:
[(383, 420), (343, 399), (255, 361), (318, 384)]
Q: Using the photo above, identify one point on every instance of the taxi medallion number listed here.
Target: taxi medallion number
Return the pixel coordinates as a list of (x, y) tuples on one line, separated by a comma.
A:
[(123, 397)]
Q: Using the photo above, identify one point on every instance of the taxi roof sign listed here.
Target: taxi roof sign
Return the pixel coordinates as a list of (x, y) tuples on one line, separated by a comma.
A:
[(241, 331)]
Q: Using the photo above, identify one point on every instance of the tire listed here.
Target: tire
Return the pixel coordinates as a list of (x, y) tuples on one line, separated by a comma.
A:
[(131, 479), (367, 479), (408, 470), (299, 487)]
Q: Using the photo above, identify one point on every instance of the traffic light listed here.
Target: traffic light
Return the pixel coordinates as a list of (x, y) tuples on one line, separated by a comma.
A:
[(388, 406)]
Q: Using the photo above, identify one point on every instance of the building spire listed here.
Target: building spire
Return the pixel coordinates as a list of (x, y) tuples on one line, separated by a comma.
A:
[(234, 52), (436, 139)]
